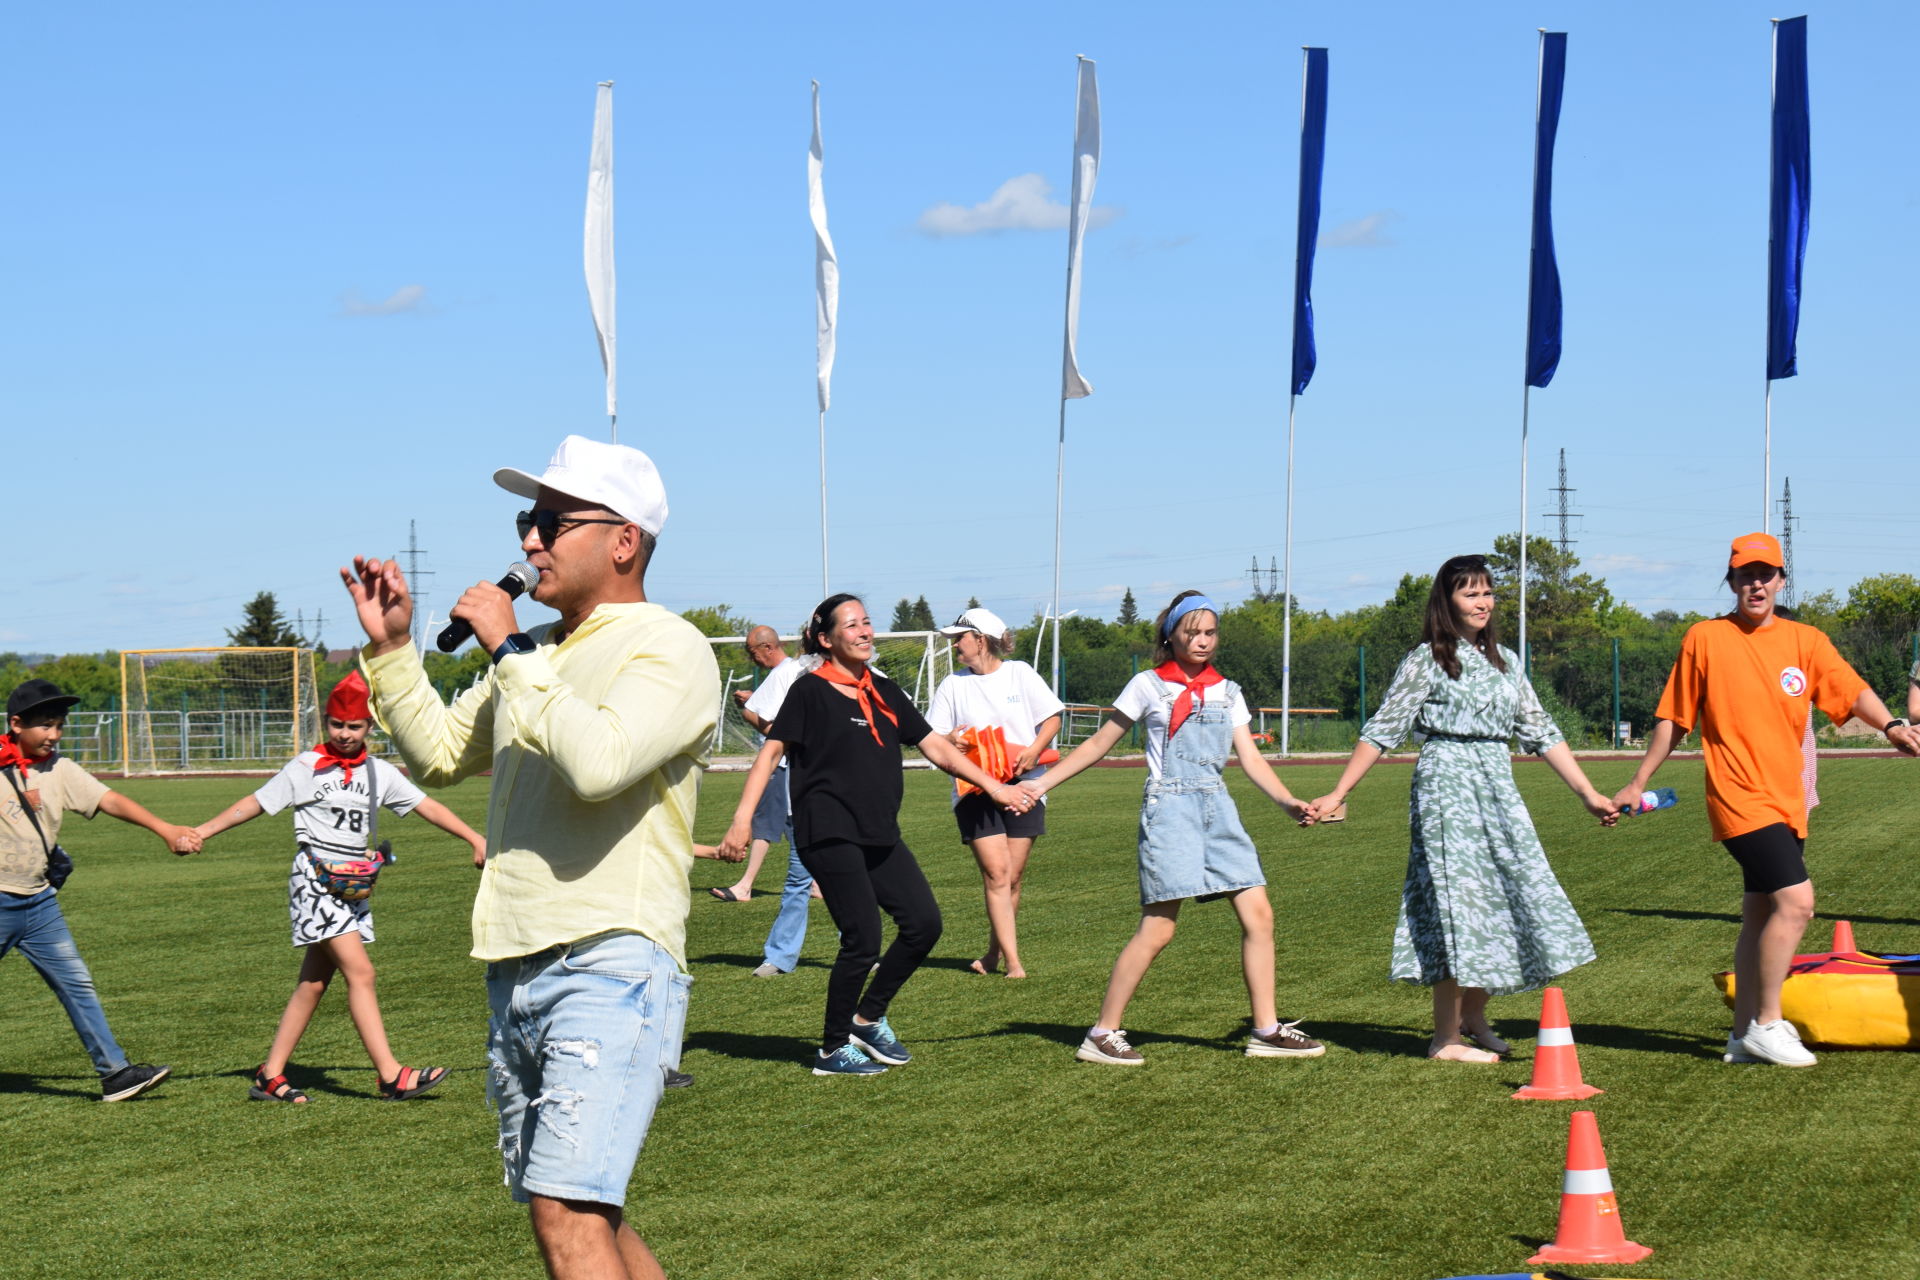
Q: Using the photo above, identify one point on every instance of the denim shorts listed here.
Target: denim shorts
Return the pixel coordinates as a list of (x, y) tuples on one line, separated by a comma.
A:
[(577, 1048), (770, 816)]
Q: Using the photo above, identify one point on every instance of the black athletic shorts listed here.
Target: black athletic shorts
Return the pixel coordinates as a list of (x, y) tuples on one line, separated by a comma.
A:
[(979, 816), (1771, 858)]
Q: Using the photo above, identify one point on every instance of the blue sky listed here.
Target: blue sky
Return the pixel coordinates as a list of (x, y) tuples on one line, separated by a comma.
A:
[(285, 278)]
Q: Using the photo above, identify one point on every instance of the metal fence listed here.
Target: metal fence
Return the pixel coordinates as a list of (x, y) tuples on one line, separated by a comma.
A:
[(191, 741), (917, 661)]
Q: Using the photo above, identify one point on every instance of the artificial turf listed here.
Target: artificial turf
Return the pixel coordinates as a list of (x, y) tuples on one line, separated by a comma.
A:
[(995, 1153)]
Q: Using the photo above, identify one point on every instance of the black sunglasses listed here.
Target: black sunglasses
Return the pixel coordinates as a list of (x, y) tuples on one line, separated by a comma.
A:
[(551, 524)]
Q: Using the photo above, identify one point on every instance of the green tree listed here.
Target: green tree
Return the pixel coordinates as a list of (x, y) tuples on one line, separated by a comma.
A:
[(263, 626), (1129, 610), (916, 615)]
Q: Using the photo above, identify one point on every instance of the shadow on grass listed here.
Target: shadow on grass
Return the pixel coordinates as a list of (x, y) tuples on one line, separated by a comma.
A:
[(1647, 1040), (754, 1048), (16, 1082), (1825, 918), (1071, 1035), (749, 962), (1369, 1037)]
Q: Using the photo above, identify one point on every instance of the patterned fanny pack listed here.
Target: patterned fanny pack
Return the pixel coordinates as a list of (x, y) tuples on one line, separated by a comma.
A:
[(348, 879)]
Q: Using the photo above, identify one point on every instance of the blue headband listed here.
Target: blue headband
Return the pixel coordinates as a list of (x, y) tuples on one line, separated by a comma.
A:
[(1184, 608)]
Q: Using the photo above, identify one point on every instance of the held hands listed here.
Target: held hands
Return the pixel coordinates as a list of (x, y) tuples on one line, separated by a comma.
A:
[(1297, 809), (1320, 808), (1905, 740), (1628, 798), (1014, 799), (1608, 811), (380, 600), (733, 845), (183, 840)]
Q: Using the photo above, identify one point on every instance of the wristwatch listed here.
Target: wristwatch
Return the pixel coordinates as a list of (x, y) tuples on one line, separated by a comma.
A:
[(1896, 723), (518, 642)]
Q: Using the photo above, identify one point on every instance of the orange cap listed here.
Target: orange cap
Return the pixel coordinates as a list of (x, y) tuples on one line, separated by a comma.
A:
[(1755, 548)]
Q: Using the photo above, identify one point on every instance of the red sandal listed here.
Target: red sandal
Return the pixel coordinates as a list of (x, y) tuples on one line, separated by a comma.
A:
[(411, 1082), (275, 1089)]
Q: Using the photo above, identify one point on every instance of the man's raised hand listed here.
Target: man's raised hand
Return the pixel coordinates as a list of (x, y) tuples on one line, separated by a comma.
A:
[(381, 601)]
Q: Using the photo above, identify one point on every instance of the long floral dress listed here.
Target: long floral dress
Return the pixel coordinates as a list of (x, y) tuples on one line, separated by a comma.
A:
[(1481, 905)]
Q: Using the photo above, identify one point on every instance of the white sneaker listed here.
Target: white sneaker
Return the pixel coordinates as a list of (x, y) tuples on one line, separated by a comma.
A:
[(1737, 1051), (1777, 1042)]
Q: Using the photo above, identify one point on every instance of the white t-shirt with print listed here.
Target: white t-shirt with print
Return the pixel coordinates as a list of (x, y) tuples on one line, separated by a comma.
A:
[(329, 817), (1148, 702), (1012, 697)]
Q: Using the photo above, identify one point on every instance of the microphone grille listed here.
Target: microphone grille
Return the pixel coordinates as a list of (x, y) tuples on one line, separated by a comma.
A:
[(525, 574)]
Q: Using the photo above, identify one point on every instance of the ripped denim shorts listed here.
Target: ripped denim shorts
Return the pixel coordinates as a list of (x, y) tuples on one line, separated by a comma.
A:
[(578, 1046)]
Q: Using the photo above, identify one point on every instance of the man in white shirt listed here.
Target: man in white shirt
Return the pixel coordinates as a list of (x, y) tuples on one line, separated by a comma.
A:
[(595, 728)]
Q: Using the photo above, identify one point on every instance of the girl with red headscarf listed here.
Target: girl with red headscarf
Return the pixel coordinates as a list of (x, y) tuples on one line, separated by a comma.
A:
[(335, 790)]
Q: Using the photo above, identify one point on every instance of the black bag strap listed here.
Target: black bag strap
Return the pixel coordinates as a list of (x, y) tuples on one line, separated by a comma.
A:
[(32, 817), (373, 805)]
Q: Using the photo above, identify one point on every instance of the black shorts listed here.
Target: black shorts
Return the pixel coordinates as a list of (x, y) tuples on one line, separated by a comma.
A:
[(1770, 859), (979, 816)]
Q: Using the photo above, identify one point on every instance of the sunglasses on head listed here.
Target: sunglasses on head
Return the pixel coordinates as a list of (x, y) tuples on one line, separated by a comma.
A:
[(552, 524)]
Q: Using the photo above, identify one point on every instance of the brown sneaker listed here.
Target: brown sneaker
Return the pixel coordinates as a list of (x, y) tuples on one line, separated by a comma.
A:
[(1284, 1042), (1111, 1049)]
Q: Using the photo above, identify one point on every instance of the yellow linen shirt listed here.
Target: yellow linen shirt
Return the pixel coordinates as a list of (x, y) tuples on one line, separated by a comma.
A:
[(597, 746)]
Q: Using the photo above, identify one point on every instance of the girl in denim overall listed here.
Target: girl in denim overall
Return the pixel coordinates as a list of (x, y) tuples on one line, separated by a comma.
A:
[(1191, 842)]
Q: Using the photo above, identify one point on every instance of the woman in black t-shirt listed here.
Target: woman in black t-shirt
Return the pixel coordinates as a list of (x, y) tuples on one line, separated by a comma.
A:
[(842, 727)]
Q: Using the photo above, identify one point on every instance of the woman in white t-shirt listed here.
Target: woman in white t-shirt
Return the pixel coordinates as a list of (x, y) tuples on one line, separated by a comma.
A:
[(995, 692), (1191, 842)]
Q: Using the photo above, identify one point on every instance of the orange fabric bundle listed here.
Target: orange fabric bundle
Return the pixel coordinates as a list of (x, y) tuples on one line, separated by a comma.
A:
[(988, 748)]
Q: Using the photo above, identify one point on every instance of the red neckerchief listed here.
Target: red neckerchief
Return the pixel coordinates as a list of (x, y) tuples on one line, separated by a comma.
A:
[(863, 689), (1183, 705), (10, 756), (329, 757)]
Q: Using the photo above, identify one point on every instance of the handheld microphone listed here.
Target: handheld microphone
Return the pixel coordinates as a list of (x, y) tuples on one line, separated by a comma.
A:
[(520, 579)]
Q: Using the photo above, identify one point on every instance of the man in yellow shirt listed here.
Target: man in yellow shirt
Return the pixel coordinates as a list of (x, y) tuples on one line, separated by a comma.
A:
[(596, 729)]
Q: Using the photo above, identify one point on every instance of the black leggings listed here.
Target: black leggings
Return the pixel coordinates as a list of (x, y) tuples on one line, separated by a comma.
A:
[(857, 881), (1770, 859)]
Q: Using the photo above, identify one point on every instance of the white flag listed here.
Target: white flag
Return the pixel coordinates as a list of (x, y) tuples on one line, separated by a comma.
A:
[(826, 267), (599, 253), (1086, 168)]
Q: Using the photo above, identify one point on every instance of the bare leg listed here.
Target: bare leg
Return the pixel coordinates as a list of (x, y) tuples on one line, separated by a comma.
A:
[(1255, 910), (580, 1240), (1449, 997), (316, 971), (350, 954), (1771, 927), (756, 854), (1473, 1020), (1003, 860), (1157, 922)]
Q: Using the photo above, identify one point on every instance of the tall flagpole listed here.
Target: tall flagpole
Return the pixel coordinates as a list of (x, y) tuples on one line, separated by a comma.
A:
[(826, 296), (599, 243), (1773, 179), (1541, 356), (1086, 170), (1789, 200), (1313, 144)]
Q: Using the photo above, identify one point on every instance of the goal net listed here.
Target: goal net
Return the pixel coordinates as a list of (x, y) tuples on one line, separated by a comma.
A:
[(187, 710), (917, 661)]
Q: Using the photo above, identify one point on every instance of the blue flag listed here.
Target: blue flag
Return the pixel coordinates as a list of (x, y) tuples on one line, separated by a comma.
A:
[(1792, 194), (1543, 273), (1313, 155)]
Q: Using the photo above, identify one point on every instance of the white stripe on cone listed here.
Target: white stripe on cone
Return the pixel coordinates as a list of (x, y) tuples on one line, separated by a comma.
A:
[(1554, 1037), (1587, 1182)]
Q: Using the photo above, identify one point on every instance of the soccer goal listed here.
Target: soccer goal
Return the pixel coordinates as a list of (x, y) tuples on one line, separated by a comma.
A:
[(917, 661), (189, 710)]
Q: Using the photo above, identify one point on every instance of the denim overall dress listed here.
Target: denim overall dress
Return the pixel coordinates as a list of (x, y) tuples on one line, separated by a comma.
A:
[(1191, 840)]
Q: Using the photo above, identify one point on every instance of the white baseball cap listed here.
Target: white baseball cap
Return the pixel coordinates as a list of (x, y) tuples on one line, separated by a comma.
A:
[(618, 477), (985, 621)]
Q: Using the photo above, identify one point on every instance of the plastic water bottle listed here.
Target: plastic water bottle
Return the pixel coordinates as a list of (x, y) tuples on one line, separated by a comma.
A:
[(1652, 800)]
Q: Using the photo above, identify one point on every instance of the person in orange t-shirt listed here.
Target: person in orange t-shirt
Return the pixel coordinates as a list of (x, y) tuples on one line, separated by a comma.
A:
[(1749, 681)]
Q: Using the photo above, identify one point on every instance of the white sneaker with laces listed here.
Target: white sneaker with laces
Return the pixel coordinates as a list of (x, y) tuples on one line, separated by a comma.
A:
[(1777, 1042), (1737, 1051)]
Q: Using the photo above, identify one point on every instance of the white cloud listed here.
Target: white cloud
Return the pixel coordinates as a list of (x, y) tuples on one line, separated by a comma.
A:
[(1021, 204), (1630, 565), (407, 298), (1367, 232)]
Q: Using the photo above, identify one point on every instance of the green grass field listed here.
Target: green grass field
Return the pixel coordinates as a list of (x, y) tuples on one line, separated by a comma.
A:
[(994, 1154)]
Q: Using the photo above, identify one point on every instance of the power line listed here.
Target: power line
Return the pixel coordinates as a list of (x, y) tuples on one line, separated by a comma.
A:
[(1787, 519), (1566, 543)]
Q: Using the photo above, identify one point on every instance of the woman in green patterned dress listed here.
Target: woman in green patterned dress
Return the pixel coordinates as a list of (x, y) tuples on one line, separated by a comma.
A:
[(1481, 913)]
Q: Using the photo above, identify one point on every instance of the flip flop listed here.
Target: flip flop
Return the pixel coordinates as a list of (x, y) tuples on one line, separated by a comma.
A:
[(726, 895)]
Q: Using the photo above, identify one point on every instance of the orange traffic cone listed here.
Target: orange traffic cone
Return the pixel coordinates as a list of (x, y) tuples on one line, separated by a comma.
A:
[(1590, 1230), (1843, 936), (1556, 1063)]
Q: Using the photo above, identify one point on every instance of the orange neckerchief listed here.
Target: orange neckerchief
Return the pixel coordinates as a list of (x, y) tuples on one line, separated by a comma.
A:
[(1183, 705), (863, 689), (329, 757)]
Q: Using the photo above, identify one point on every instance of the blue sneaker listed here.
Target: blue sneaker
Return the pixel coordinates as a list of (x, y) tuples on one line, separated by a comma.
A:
[(878, 1040), (845, 1061)]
